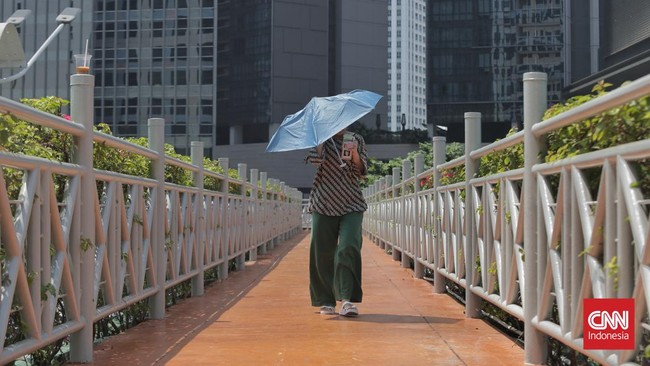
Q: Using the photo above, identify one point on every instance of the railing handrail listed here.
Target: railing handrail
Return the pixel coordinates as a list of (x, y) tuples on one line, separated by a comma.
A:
[(24, 112), (615, 98), (479, 231), (119, 237)]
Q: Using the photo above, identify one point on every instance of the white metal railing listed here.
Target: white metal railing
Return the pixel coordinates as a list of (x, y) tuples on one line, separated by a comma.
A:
[(516, 241), (116, 239)]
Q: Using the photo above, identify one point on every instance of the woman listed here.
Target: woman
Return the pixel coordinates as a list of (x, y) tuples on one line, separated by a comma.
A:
[(337, 207)]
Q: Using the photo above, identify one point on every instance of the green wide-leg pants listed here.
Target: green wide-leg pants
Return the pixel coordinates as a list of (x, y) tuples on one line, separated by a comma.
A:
[(335, 259)]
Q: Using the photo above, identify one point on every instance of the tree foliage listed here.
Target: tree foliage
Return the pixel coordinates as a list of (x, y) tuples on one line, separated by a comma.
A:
[(22, 137), (378, 169)]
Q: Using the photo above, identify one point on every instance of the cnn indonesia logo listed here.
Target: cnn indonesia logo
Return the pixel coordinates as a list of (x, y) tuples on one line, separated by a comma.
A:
[(609, 324)]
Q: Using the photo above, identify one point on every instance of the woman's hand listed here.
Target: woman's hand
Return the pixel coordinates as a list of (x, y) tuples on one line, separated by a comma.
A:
[(356, 159)]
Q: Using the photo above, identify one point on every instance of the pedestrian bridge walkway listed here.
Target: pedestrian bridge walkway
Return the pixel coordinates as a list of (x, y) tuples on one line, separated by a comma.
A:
[(262, 316), (82, 239)]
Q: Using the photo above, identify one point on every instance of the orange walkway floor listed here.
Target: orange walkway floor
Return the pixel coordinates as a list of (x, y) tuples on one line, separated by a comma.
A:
[(262, 316)]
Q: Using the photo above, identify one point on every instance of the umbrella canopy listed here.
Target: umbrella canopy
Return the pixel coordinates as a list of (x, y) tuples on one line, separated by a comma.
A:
[(321, 119)]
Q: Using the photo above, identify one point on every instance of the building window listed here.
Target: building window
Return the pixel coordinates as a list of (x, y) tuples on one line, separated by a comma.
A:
[(181, 77), (156, 77), (133, 78), (206, 77)]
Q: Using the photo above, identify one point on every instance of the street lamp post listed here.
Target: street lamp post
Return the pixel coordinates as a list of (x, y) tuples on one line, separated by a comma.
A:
[(82, 85), (11, 52)]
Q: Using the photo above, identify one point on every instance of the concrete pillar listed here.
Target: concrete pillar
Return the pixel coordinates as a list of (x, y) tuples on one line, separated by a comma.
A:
[(472, 142), (242, 232), (396, 216), (236, 135), (439, 156), (156, 133), (81, 111), (223, 214), (405, 240), (196, 153), (418, 269), (535, 100)]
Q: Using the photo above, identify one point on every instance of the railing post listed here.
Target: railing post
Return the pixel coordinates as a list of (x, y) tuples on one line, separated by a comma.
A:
[(197, 160), (418, 269), (242, 232), (273, 219), (472, 142), (223, 219), (278, 225), (388, 214), (283, 208), (249, 230), (266, 213), (439, 156), (396, 215), (81, 111), (380, 222), (256, 230), (535, 100), (406, 228), (156, 127)]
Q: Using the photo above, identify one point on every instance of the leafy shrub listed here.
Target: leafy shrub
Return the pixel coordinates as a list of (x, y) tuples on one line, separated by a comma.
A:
[(378, 169), (620, 125), (22, 137)]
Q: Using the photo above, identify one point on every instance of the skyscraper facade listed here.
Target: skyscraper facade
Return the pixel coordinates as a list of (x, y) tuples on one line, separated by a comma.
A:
[(407, 65), (477, 52), (151, 58), (222, 72), (272, 60), (606, 40), (156, 58), (358, 52)]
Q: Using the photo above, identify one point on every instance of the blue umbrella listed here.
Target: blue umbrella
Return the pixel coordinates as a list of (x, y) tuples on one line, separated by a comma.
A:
[(321, 119)]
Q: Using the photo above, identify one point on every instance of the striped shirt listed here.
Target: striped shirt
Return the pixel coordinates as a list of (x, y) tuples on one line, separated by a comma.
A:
[(336, 190)]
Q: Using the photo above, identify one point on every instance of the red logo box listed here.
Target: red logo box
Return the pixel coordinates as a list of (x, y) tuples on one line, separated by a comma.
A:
[(608, 324)]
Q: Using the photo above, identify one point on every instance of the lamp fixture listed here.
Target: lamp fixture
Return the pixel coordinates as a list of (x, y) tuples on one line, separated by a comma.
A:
[(11, 49)]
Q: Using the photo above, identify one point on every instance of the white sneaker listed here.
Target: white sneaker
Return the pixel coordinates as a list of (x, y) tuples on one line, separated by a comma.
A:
[(348, 309), (327, 310)]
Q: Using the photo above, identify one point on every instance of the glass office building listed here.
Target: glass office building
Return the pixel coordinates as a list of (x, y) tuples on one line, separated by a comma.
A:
[(477, 53), (156, 58), (407, 65), (244, 71), (223, 72), (606, 40), (50, 73)]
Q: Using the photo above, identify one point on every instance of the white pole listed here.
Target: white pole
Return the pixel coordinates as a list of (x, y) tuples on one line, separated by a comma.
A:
[(81, 111), (223, 215), (534, 106), (156, 130), (439, 154), (418, 269), (241, 235), (406, 215), (396, 218), (266, 233), (196, 152), (258, 240), (472, 142)]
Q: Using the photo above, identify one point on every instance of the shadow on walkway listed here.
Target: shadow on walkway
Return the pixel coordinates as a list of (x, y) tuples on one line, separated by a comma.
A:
[(397, 319)]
